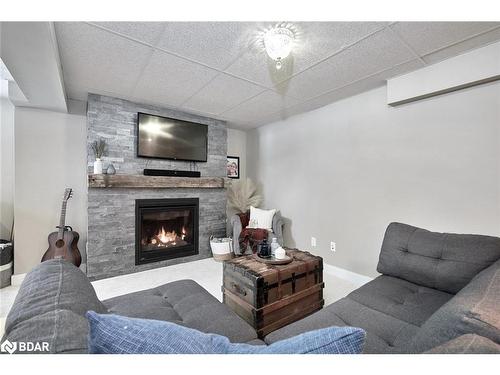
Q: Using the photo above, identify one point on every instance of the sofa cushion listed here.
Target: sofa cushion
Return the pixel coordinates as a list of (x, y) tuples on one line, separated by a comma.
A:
[(384, 333), (441, 261), (390, 310), (467, 344), (475, 309), (400, 299), (114, 334), (51, 305), (186, 303)]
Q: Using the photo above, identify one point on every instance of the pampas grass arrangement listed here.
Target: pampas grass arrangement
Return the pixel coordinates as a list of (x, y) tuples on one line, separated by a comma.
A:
[(243, 194)]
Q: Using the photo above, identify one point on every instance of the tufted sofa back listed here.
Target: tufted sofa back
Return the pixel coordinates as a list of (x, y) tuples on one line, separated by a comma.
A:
[(443, 261), (50, 307)]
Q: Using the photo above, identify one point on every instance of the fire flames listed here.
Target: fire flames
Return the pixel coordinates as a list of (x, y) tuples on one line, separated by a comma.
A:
[(166, 238)]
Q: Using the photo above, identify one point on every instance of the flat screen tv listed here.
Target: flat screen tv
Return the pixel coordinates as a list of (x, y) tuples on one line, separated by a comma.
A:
[(168, 138)]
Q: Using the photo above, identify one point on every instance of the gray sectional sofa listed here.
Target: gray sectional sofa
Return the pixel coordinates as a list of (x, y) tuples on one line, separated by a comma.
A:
[(434, 287), (55, 295), (438, 293)]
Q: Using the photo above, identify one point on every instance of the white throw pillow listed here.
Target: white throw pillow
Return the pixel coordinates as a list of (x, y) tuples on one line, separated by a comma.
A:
[(261, 218)]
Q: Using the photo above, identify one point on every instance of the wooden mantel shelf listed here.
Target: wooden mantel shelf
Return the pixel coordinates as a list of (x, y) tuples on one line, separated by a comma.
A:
[(154, 182)]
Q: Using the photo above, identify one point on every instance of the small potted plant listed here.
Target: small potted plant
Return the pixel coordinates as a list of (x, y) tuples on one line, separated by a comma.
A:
[(99, 148)]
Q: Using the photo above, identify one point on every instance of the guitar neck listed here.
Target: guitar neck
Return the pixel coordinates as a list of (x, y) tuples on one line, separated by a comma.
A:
[(62, 220)]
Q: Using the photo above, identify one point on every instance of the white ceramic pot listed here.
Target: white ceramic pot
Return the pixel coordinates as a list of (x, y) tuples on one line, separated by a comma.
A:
[(98, 166), (280, 253)]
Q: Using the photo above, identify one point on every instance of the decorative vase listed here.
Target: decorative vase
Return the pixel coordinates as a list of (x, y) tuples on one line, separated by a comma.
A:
[(264, 250), (111, 169), (274, 245), (98, 166)]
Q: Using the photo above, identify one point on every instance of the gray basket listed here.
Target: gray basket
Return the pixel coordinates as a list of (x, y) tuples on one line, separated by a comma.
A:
[(6, 263)]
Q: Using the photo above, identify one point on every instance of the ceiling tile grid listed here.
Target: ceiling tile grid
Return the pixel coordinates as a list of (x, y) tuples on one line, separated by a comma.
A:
[(378, 52), (314, 42), (221, 94), (220, 69), (426, 37), (259, 107), (215, 44), (353, 88), (316, 39), (145, 32), (172, 80), (109, 63), (463, 46)]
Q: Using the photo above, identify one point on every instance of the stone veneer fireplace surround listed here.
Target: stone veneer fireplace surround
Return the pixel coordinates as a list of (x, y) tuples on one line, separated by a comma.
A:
[(111, 208)]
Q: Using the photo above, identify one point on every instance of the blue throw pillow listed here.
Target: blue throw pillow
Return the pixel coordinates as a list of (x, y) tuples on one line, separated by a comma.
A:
[(114, 334)]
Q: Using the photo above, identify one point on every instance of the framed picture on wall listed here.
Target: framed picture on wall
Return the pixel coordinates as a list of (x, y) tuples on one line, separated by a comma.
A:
[(233, 167)]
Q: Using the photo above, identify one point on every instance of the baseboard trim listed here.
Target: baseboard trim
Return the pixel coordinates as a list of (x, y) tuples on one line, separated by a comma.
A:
[(17, 280), (342, 273)]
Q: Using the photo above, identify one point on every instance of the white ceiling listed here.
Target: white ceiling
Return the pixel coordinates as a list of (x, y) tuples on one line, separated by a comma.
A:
[(220, 70)]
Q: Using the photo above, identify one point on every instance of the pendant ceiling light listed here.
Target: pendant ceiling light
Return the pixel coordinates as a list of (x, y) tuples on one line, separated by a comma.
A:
[(279, 43)]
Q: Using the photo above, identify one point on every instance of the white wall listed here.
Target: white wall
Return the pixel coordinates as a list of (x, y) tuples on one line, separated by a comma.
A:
[(237, 146), (6, 164), (343, 172), (50, 152)]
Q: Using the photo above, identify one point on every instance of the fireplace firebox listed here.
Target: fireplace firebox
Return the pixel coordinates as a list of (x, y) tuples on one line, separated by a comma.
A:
[(165, 229)]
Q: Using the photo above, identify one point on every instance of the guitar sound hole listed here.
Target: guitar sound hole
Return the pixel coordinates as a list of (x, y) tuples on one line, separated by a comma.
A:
[(59, 243)]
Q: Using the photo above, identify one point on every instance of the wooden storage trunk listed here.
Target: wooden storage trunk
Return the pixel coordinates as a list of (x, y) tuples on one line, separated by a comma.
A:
[(269, 297)]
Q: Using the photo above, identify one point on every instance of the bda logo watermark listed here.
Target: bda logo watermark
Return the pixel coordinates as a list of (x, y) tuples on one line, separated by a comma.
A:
[(9, 347), (24, 347)]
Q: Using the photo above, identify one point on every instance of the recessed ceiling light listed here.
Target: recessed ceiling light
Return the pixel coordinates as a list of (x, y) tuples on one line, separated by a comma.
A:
[(279, 43)]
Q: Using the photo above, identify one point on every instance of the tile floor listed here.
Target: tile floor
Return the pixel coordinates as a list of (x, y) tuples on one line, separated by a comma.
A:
[(206, 272)]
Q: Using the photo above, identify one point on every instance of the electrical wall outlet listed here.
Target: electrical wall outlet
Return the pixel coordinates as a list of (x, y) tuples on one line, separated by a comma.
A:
[(333, 246), (313, 241)]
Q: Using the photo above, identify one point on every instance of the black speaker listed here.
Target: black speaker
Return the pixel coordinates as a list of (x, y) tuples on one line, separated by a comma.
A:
[(171, 173)]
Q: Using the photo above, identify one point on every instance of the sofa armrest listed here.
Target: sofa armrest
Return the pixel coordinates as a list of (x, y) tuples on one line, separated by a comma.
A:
[(235, 231)]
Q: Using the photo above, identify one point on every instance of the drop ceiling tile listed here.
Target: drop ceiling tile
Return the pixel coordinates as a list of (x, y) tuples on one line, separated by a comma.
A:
[(425, 37), (273, 117), (171, 80), (259, 107), (399, 69), (355, 88), (256, 120), (378, 52), (147, 32), (335, 95), (318, 40), (462, 47), (257, 67), (221, 94), (314, 42), (95, 59), (215, 44)]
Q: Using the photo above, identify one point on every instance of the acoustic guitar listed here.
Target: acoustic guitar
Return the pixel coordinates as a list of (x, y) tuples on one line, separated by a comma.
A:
[(64, 243)]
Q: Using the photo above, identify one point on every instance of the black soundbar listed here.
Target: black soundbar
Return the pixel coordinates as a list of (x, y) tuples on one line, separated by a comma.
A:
[(171, 173)]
